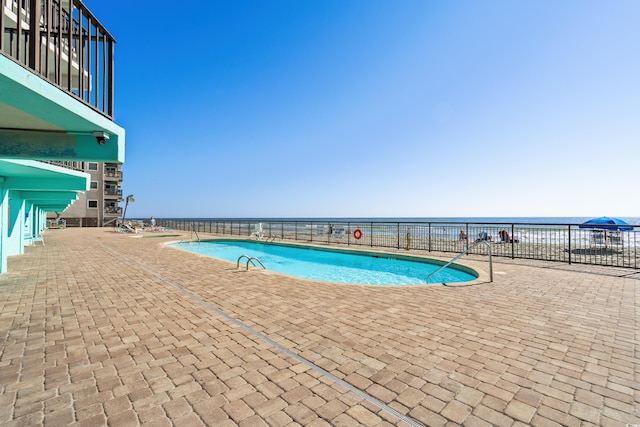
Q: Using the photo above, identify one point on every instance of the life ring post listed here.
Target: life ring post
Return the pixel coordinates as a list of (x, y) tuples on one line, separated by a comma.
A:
[(357, 234)]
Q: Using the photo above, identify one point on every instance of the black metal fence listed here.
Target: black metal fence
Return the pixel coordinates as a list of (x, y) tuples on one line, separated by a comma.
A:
[(549, 242)]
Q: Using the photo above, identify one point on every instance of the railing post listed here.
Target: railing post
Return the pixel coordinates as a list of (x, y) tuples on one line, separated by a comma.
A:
[(34, 34), (2, 28), (371, 234), (513, 241), (81, 54), (569, 227), (490, 262), (467, 231), (110, 89)]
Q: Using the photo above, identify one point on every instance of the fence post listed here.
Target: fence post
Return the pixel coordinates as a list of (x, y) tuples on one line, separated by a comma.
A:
[(569, 227), (467, 239), (513, 241)]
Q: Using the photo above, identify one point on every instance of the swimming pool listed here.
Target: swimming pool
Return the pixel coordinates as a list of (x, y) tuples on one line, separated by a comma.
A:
[(332, 265)]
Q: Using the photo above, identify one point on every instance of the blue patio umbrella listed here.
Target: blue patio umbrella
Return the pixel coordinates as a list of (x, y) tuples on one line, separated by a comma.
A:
[(606, 223)]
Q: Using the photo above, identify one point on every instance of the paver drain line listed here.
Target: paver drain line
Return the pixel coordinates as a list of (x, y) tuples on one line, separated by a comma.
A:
[(274, 344)]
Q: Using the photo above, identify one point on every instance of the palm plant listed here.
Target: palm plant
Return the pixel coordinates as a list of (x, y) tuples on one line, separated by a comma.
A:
[(128, 199)]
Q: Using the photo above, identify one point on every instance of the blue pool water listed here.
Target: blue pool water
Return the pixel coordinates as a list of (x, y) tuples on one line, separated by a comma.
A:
[(329, 265)]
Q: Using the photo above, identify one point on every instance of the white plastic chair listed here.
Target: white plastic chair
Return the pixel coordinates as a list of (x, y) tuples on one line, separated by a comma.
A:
[(258, 231)]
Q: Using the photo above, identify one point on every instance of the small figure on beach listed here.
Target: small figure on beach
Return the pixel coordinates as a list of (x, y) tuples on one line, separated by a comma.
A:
[(504, 237), (462, 236), (484, 236), (152, 222)]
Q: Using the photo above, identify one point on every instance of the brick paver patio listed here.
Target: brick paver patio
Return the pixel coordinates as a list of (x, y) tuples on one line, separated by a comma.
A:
[(102, 328)]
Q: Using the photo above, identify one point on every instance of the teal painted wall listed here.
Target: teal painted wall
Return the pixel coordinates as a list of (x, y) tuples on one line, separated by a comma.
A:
[(15, 243), (4, 223)]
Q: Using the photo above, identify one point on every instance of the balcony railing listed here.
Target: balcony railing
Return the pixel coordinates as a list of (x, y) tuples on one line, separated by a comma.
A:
[(64, 43), (116, 175), (77, 166), (113, 192), (111, 210)]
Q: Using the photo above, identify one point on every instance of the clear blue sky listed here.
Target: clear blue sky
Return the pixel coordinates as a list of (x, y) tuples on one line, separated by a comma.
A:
[(369, 108)]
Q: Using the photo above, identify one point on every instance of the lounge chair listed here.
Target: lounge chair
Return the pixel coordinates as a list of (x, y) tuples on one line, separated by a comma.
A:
[(598, 238), (615, 238), (125, 228), (131, 229)]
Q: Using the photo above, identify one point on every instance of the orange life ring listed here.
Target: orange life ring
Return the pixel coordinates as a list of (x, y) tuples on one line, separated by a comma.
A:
[(357, 234)]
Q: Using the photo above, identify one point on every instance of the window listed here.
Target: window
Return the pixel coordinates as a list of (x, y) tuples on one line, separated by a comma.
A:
[(92, 204), (94, 185), (92, 166)]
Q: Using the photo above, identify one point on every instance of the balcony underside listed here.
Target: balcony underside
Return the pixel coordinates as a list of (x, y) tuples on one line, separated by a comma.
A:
[(40, 121)]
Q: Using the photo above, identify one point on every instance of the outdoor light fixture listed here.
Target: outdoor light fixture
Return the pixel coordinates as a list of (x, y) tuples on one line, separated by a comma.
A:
[(101, 136)]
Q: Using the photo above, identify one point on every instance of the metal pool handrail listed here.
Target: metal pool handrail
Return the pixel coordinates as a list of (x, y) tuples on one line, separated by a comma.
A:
[(465, 252), (249, 260), (193, 230)]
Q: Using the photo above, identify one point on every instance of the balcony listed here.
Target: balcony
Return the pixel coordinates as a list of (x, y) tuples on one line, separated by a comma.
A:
[(113, 175), (64, 43), (113, 192), (113, 210)]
